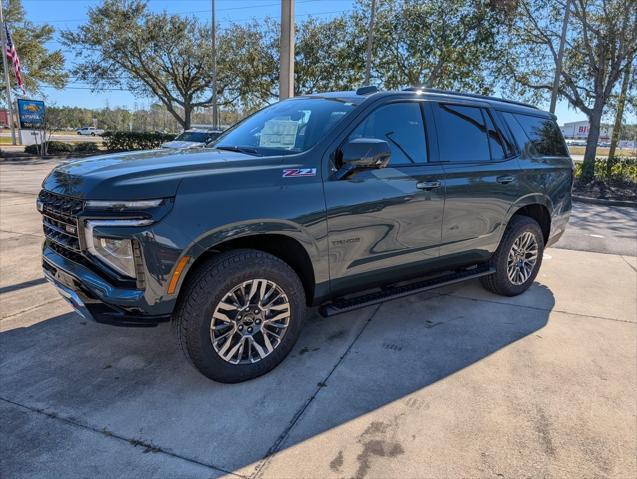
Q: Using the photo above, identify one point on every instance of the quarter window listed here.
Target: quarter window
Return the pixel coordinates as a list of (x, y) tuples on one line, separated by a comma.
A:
[(462, 134), (541, 135), (401, 126)]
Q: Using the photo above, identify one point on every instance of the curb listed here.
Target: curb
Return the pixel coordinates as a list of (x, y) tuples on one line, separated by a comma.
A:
[(599, 201)]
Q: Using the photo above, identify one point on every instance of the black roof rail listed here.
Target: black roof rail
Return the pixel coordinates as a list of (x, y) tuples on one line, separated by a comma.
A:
[(470, 95), (366, 90)]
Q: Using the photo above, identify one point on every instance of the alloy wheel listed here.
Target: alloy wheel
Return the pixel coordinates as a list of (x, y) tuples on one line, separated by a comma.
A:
[(249, 323), (522, 258)]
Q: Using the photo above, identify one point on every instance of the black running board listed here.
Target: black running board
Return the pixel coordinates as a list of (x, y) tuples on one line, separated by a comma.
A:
[(344, 305)]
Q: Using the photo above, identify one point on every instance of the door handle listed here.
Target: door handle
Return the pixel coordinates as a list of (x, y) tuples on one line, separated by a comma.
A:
[(428, 185), (504, 180)]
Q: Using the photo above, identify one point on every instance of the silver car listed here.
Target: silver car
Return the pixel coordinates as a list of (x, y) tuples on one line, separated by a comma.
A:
[(193, 138)]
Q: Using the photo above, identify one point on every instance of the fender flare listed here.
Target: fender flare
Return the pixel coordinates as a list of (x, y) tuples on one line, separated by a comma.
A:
[(527, 200), (245, 229)]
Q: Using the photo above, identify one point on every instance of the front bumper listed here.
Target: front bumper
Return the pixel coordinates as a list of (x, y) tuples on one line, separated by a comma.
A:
[(94, 298)]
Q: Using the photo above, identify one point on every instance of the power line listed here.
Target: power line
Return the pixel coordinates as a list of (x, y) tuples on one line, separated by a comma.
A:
[(246, 7)]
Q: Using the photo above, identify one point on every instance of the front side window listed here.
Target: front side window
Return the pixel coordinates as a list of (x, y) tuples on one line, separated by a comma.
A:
[(401, 126), (288, 127), (543, 136), (462, 134)]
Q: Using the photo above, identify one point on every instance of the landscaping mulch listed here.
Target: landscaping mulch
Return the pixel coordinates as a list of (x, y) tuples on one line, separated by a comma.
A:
[(607, 190)]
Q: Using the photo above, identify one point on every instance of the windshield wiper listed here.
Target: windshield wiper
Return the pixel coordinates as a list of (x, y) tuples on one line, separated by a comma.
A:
[(240, 149)]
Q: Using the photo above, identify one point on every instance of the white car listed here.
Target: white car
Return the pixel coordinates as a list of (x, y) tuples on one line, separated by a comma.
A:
[(90, 131), (193, 138)]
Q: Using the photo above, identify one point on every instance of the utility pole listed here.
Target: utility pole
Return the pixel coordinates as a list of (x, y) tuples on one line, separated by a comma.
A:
[(370, 43), (6, 75), (286, 69), (215, 108), (560, 54)]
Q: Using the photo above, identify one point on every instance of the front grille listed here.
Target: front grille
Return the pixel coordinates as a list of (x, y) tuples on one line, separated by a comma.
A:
[(59, 221)]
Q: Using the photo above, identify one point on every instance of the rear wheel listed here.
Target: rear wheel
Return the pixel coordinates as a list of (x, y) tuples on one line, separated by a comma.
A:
[(240, 315), (518, 258)]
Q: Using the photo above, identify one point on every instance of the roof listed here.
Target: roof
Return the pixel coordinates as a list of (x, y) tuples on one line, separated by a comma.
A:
[(372, 91)]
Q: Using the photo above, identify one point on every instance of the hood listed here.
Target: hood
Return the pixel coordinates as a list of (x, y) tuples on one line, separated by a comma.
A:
[(182, 144), (141, 175)]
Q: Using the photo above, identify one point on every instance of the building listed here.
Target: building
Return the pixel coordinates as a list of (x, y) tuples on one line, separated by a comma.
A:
[(4, 118), (579, 130)]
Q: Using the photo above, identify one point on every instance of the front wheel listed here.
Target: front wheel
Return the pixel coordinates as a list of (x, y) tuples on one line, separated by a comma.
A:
[(518, 258), (240, 315)]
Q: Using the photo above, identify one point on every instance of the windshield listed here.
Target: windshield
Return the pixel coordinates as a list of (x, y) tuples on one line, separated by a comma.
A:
[(198, 136), (288, 127)]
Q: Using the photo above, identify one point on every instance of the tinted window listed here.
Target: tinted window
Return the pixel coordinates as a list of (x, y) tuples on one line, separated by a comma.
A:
[(543, 134), (401, 126), (462, 134), (518, 133), (496, 141)]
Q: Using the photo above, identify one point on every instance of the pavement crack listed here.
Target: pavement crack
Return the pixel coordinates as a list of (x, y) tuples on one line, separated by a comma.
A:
[(131, 441), (20, 233), (626, 261), (260, 468), (30, 308)]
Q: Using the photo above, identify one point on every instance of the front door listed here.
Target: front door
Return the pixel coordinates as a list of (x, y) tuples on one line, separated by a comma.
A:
[(385, 224)]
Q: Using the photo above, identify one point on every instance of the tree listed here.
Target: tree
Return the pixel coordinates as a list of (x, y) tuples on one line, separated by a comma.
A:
[(619, 114), (445, 44), (159, 55), (329, 56), (38, 64), (601, 41)]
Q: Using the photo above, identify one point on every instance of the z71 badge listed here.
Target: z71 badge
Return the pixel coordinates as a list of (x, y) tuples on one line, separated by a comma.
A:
[(296, 172)]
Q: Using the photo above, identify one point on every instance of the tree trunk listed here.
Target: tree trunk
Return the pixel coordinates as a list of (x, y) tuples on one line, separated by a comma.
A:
[(595, 120), (187, 115), (618, 117)]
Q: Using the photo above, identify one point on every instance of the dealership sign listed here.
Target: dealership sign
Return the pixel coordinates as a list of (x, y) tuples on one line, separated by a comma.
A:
[(31, 114)]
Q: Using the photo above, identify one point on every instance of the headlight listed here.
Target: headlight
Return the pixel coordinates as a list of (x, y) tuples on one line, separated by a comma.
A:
[(115, 252), (123, 205)]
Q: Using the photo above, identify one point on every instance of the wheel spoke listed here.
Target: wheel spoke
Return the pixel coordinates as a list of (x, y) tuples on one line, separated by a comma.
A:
[(242, 334), (221, 317)]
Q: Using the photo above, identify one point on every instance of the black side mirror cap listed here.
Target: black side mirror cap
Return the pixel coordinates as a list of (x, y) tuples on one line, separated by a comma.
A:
[(364, 153)]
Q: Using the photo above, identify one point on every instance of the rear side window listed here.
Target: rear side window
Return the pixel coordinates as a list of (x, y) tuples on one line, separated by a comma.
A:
[(401, 126), (542, 136), (462, 134)]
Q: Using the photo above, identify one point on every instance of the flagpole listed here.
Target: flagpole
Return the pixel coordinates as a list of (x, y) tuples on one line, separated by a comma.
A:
[(6, 75)]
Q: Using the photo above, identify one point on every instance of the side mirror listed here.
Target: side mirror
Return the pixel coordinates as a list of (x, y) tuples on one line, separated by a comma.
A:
[(363, 153)]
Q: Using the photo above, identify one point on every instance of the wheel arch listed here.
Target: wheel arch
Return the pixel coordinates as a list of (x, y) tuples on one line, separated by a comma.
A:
[(536, 206), (286, 241)]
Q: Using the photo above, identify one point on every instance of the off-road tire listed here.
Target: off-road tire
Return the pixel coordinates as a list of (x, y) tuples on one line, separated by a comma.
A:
[(204, 289), (499, 282)]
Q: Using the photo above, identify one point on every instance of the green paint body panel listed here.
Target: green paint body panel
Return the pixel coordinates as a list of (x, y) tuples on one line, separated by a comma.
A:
[(373, 227)]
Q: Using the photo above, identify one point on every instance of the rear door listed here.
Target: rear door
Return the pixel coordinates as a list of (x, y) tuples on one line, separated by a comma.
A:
[(385, 224), (482, 179)]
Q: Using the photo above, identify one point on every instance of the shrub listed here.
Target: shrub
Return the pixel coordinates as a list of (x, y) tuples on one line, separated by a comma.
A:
[(86, 147), (134, 140), (53, 147), (618, 168)]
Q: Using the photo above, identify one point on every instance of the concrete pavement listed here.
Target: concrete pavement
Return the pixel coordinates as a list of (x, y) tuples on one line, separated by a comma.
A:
[(452, 383)]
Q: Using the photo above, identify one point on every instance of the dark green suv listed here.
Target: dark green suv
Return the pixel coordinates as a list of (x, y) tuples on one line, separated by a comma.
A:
[(338, 200)]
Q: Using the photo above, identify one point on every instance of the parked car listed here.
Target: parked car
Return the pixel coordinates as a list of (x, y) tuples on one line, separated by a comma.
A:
[(193, 138), (90, 131), (339, 200)]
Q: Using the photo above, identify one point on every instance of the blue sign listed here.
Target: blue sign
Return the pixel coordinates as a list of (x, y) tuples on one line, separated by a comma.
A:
[(31, 114)]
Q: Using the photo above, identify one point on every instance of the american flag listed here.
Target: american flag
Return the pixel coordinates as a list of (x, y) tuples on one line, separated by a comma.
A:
[(12, 55)]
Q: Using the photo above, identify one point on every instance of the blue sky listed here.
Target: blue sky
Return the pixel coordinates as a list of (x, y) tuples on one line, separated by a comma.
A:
[(68, 14)]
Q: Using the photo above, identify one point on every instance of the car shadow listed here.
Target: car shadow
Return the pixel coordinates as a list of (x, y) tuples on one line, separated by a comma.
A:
[(134, 384)]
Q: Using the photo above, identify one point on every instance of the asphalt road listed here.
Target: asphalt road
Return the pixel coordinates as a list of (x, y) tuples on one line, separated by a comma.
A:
[(452, 383), (601, 229)]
